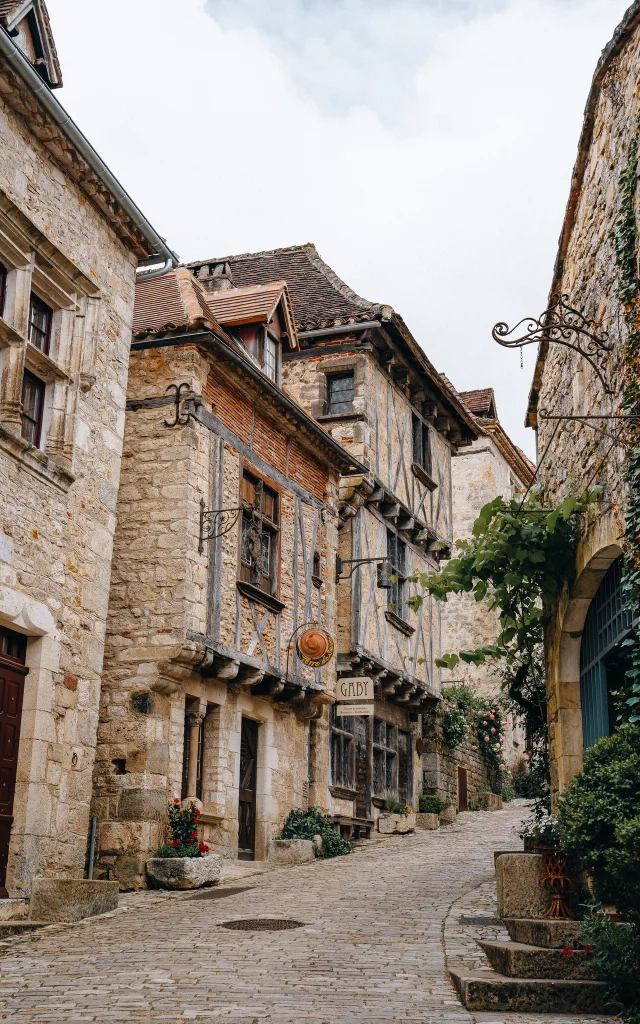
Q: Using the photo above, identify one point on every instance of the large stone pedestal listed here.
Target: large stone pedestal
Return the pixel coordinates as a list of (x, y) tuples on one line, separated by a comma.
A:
[(519, 883), (71, 899)]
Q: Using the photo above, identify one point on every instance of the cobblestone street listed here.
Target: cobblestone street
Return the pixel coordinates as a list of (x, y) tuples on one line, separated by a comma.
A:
[(371, 949)]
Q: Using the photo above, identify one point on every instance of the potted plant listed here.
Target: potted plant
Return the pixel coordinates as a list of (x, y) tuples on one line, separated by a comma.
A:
[(397, 817), (184, 861), (542, 832), (430, 807)]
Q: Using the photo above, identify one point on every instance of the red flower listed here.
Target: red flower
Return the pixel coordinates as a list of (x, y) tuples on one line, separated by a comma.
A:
[(197, 814), (194, 835), (176, 801), (588, 949), (175, 842), (567, 952), (202, 847)]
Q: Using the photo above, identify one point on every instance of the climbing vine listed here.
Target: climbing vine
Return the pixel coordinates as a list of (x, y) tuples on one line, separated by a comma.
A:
[(625, 236)]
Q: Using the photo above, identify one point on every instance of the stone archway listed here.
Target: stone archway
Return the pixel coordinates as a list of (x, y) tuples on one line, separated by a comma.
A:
[(565, 712)]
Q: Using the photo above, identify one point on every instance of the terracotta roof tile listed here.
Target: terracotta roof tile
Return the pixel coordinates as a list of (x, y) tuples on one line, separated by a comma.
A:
[(254, 304), (481, 402), (319, 297), (172, 302)]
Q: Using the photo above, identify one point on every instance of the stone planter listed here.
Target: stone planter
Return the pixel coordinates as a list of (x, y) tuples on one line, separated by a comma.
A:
[(291, 851), (396, 824), (71, 899), (427, 821), (519, 882), (448, 815), (489, 802), (184, 872)]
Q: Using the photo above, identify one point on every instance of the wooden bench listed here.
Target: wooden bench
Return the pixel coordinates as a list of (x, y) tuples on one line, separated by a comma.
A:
[(352, 828)]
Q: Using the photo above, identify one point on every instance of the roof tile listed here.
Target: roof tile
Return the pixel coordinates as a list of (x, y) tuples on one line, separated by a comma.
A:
[(169, 303)]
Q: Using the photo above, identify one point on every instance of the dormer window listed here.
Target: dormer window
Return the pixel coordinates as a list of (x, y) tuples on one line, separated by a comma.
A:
[(40, 317), (262, 347)]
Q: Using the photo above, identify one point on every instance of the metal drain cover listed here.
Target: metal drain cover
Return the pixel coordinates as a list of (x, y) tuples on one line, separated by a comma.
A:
[(262, 924)]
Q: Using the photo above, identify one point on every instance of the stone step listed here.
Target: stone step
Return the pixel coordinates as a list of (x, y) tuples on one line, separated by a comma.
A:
[(551, 934), (13, 910), (13, 928), (518, 960), (491, 992)]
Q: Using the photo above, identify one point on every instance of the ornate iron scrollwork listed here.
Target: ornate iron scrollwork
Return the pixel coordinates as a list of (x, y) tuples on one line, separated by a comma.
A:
[(215, 522), (183, 397), (562, 325)]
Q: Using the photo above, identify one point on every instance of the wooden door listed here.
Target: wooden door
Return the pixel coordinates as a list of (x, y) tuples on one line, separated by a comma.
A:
[(463, 789), (11, 693), (247, 797)]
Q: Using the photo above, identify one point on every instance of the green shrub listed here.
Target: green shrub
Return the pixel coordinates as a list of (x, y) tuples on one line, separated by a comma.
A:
[(431, 804), (508, 791), (531, 776), (600, 821), (615, 958), (310, 823), (455, 727)]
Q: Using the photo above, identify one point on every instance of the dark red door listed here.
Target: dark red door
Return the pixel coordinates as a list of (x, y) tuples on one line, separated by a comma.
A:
[(248, 781), (11, 693), (463, 789)]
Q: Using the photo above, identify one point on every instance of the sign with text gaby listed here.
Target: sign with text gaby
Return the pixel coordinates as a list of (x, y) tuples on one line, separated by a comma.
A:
[(355, 688)]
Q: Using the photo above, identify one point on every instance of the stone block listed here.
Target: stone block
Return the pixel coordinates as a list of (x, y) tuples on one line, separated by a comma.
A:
[(291, 851), (448, 815), (520, 960), (396, 824), (184, 872), (551, 934), (491, 992), (142, 805), (427, 821), (519, 883), (13, 910), (71, 899), (489, 802)]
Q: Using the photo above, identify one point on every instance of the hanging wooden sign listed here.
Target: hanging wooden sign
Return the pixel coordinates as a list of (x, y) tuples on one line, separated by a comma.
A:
[(354, 709), (315, 647), (355, 688)]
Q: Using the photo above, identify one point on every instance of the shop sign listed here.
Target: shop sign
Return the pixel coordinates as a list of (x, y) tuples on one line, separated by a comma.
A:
[(354, 709), (355, 688)]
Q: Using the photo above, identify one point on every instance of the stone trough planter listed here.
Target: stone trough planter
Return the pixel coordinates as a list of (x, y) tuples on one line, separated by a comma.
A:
[(184, 872), (427, 821), (396, 824), (291, 851)]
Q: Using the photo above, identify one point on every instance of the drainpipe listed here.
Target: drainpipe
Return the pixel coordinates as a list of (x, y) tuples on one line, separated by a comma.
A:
[(23, 67)]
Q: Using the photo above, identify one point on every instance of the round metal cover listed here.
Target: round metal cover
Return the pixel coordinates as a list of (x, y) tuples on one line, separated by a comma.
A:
[(262, 924), (315, 647)]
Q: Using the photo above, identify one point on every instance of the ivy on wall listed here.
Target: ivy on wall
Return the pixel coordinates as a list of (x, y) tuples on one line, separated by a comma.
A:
[(625, 235)]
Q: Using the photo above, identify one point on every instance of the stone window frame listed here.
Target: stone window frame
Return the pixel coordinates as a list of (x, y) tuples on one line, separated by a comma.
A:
[(37, 268), (336, 365)]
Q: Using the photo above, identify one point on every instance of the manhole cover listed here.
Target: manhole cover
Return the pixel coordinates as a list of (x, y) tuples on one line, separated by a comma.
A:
[(493, 921), (262, 924), (219, 894)]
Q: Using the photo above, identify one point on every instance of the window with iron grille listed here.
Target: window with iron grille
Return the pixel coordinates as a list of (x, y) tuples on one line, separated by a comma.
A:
[(385, 757), (342, 751), (40, 318), (33, 391), (259, 534), (3, 287), (397, 556), (421, 444), (340, 392)]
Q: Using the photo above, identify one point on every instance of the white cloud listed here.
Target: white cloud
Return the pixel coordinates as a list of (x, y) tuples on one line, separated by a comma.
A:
[(425, 147)]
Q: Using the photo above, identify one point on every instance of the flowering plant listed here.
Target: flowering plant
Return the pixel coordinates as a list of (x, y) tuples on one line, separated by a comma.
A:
[(542, 828), (183, 840), (490, 733)]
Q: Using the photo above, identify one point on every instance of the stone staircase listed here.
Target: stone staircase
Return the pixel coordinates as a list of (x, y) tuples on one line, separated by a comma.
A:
[(529, 973)]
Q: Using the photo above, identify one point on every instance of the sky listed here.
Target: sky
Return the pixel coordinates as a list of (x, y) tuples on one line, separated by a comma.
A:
[(424, 146)]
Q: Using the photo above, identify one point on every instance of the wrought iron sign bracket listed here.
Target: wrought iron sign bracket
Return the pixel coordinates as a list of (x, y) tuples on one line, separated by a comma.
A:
[(186, 401), (215, 522), (385, 569), (560, 324)]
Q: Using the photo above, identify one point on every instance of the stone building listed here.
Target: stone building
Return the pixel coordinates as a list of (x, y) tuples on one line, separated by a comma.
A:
[(70, 242), (360, 373), (493, 465), (574, 400), (226, 546)]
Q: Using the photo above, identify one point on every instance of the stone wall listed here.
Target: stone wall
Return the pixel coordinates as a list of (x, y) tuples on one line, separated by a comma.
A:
[(59, 501), (440, 768), (581, 454)]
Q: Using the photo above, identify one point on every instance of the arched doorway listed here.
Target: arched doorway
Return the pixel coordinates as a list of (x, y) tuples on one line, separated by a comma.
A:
[(602, 659)]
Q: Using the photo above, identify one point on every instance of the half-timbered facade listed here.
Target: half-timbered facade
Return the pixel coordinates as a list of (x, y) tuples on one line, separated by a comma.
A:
[(361, 374), (226, 545)]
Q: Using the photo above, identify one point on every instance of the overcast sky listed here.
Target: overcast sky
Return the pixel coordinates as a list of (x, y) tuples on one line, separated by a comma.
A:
[(425, 146)]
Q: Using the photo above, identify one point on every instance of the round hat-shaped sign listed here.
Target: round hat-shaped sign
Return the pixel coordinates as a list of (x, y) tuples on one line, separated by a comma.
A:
[(315, 647)]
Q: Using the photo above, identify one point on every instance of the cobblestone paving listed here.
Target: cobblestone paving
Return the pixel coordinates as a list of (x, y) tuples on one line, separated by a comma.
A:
[(371, 950)]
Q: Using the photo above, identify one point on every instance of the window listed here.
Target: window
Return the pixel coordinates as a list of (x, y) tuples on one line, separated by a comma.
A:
[(3, 287), (385, 757), (397, 556), (340, 390), (421, 444), (342, 751), (32, 408), (12, 645), (316, 575), (40, 316), (259, 534), (263, 349)]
